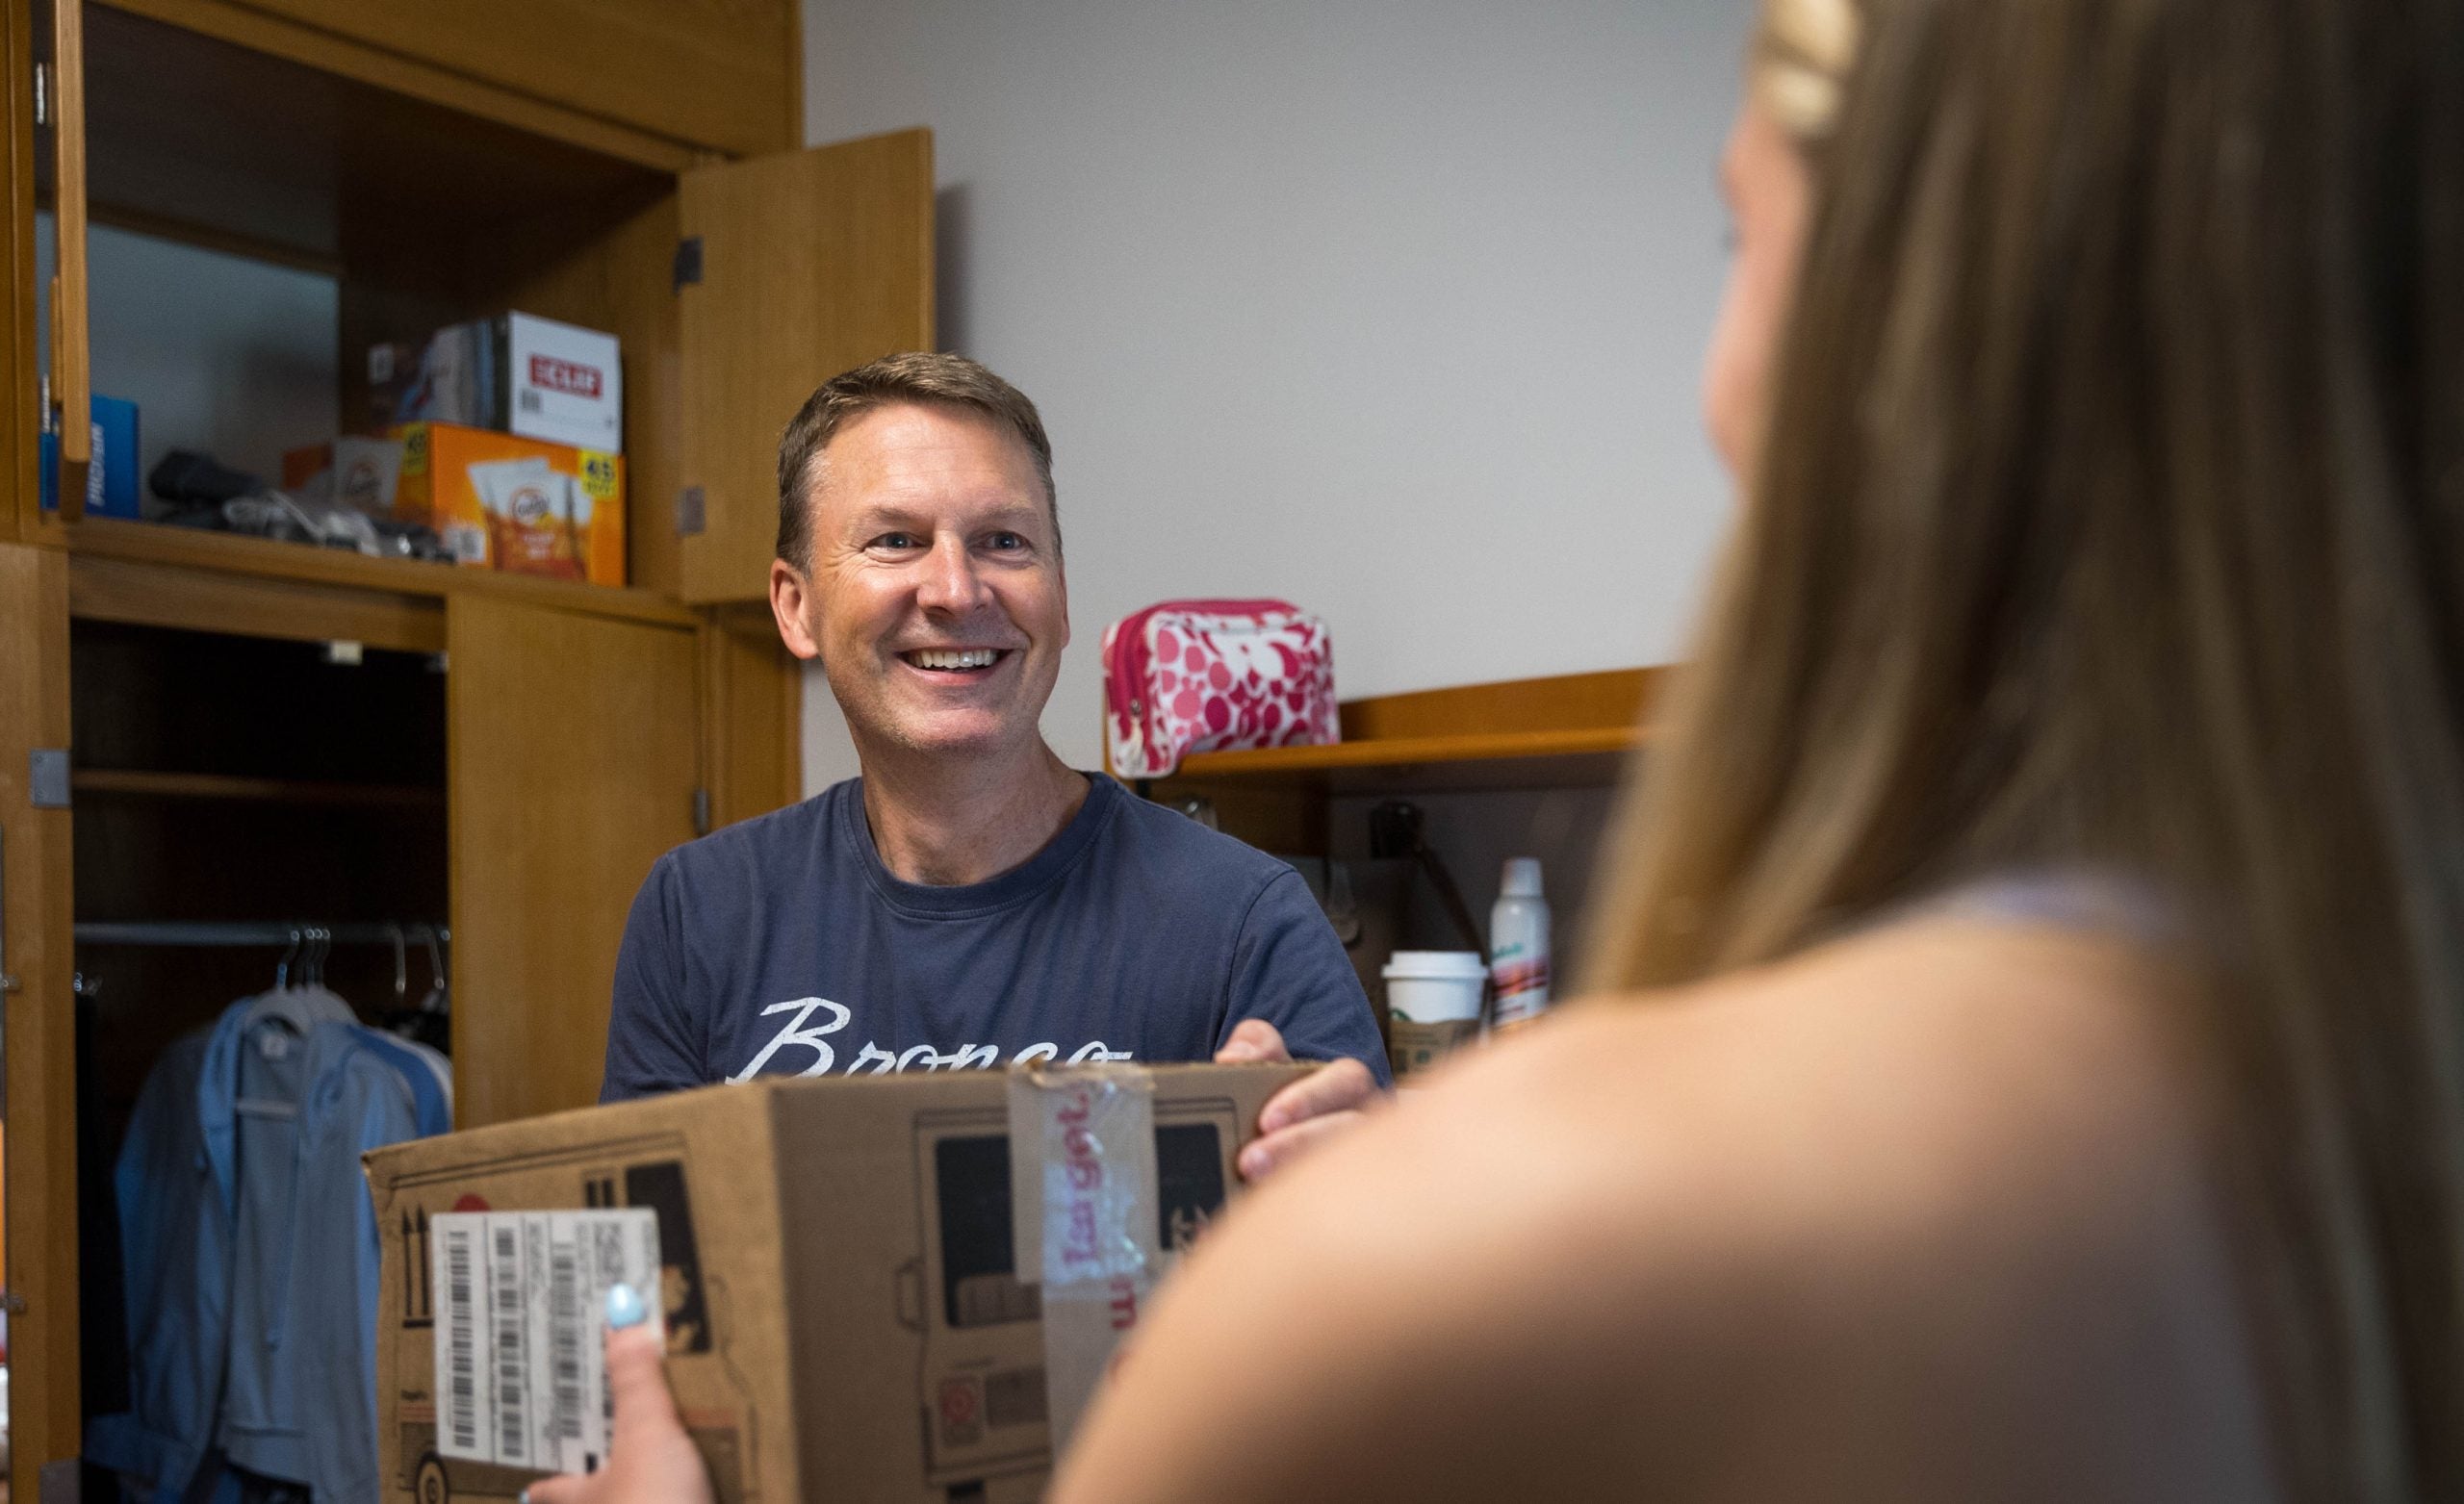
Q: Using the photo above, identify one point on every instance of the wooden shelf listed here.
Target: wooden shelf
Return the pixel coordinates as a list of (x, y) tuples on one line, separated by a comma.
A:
[(1565, 731), (154, 576), (223, 786), (1304, 764)]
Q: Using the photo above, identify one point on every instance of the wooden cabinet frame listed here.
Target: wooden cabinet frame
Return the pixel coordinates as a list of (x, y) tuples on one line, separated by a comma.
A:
[(686, 663)]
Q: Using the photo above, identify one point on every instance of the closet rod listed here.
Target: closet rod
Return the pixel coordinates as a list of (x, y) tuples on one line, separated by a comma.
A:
[(215, 933)]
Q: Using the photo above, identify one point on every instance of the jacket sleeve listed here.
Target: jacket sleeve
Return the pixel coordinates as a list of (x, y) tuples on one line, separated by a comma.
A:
[(654, 1043), (1289, 969)]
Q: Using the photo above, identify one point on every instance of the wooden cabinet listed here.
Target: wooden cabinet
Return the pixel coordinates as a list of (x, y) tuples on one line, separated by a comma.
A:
[(734, 286), (720, 74), (514, 753)]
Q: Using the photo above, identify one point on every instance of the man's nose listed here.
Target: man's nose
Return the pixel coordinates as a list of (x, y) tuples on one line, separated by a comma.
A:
[(950, 580)]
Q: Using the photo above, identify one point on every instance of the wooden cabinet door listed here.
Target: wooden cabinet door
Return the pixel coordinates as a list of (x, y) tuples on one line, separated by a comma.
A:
[(571, 767), (793, 269), (38, 1034)]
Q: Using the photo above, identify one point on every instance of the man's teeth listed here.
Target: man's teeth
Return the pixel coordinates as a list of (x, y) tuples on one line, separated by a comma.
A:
[(969, 658)]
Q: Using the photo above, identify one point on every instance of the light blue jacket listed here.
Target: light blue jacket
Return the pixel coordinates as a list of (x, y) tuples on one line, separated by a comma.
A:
[(250, 1248)]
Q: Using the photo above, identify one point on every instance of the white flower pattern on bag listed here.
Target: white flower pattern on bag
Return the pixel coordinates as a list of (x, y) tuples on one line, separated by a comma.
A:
[(1214, 676)]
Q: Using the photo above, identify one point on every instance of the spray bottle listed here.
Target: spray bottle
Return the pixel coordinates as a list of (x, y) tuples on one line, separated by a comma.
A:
[(1518, 946)]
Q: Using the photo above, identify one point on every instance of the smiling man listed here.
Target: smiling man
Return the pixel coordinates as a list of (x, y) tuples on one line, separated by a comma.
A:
[(970, 900)]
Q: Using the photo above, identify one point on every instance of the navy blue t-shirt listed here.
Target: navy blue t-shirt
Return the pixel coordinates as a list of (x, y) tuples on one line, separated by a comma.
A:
[(782, 945)]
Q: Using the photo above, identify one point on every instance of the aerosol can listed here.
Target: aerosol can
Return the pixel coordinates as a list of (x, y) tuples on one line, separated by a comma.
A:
[(1518, 946)]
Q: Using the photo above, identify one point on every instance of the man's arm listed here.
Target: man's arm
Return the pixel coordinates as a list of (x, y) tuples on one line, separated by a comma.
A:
[(1293, 995), (1290, 971), (652, 1045)]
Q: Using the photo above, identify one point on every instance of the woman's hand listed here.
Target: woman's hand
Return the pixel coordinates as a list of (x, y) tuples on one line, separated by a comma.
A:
[(650, 1459)]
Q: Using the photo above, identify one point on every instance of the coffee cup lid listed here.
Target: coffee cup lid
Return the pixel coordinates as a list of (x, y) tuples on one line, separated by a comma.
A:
[(1436, 966)]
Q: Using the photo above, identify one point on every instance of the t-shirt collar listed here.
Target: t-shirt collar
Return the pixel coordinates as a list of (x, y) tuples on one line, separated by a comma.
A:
[(1022, 881)]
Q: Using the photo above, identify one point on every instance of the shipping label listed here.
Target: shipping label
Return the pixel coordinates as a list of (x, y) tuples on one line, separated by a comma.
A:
[(521, 1381)]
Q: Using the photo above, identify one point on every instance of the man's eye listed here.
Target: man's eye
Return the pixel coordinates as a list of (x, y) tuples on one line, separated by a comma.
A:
[(1003, 543), (897, 541)]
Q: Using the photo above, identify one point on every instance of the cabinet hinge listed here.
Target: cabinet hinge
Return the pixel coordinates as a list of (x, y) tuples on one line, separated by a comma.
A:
[(688, 262), (690, 509), (47, 778), (58, 1481), (701, 811), (42, 94)]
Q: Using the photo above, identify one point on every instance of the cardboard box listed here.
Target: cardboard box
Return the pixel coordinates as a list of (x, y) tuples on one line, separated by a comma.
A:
[(525, 506), (561, 382), (518, 374), (864, 1296), (366, 473)]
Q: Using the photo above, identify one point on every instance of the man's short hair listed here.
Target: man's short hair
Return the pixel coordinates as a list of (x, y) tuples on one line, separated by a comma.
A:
[(917, 376)]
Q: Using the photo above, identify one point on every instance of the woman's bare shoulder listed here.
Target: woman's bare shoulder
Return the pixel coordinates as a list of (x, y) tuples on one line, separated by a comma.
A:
[(1824, 1221)]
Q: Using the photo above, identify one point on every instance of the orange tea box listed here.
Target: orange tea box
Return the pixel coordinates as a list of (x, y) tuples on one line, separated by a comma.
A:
[(507, 502)]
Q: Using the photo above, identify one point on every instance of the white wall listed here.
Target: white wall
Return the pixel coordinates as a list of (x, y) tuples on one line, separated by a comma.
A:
[(232, 357), (1390, 307)]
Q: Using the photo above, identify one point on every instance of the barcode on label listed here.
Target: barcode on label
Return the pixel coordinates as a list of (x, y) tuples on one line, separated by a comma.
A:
[(565, 1338), (530, 402), (466, 544), (504, 1309), (461, 1385), (520, 1377)]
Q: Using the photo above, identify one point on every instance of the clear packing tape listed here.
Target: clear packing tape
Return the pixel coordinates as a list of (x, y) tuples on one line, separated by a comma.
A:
[(1084, 1220)]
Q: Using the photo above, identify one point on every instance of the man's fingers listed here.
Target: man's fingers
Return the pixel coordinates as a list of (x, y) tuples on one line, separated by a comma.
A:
[(637, 1379), (1337, 1086), (1275, 1151), (1253, 1040)]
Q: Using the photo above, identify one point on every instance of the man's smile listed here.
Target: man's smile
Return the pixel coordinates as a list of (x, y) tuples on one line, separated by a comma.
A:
[(956, 663)]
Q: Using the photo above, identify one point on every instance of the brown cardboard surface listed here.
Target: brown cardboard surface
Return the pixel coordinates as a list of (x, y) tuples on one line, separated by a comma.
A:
[(844, 1317), (437, 491)]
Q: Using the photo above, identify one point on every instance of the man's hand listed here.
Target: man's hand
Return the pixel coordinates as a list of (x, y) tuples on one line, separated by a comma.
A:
[(1318, 1107), (650, 1459)]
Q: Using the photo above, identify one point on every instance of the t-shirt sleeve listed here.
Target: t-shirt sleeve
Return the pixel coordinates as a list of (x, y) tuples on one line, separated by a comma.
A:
[(1289, 969), (652, 1045)]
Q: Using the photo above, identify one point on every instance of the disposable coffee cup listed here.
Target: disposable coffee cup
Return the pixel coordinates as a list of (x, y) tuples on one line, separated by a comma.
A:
[(1432, 1005)]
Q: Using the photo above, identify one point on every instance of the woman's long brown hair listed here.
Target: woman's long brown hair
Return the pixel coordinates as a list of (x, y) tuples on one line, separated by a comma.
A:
[(2111, 517)]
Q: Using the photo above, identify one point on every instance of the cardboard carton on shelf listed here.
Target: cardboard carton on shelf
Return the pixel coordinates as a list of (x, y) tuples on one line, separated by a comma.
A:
[(361, 472), (525, 506), (878, 1288), (516, 374)]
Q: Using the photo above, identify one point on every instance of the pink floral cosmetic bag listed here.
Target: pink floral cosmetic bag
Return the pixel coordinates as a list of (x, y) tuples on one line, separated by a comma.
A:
[(1215, 675)]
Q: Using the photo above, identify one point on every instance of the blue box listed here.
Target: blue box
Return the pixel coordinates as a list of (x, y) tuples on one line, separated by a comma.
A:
[(111, 480)]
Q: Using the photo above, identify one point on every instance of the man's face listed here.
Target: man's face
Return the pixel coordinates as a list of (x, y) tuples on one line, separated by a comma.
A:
[(933, 595)]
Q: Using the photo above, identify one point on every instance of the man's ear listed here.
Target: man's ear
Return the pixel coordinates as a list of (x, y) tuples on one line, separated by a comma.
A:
[(790, 596)]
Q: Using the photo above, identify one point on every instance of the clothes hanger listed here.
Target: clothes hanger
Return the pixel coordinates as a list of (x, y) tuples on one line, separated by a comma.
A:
[(440, 997), (295, 999), (284, 1002), (429, 1023)]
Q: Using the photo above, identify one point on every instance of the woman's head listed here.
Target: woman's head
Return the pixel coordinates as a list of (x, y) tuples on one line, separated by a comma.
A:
[(2109, 512), (1801, 51)]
